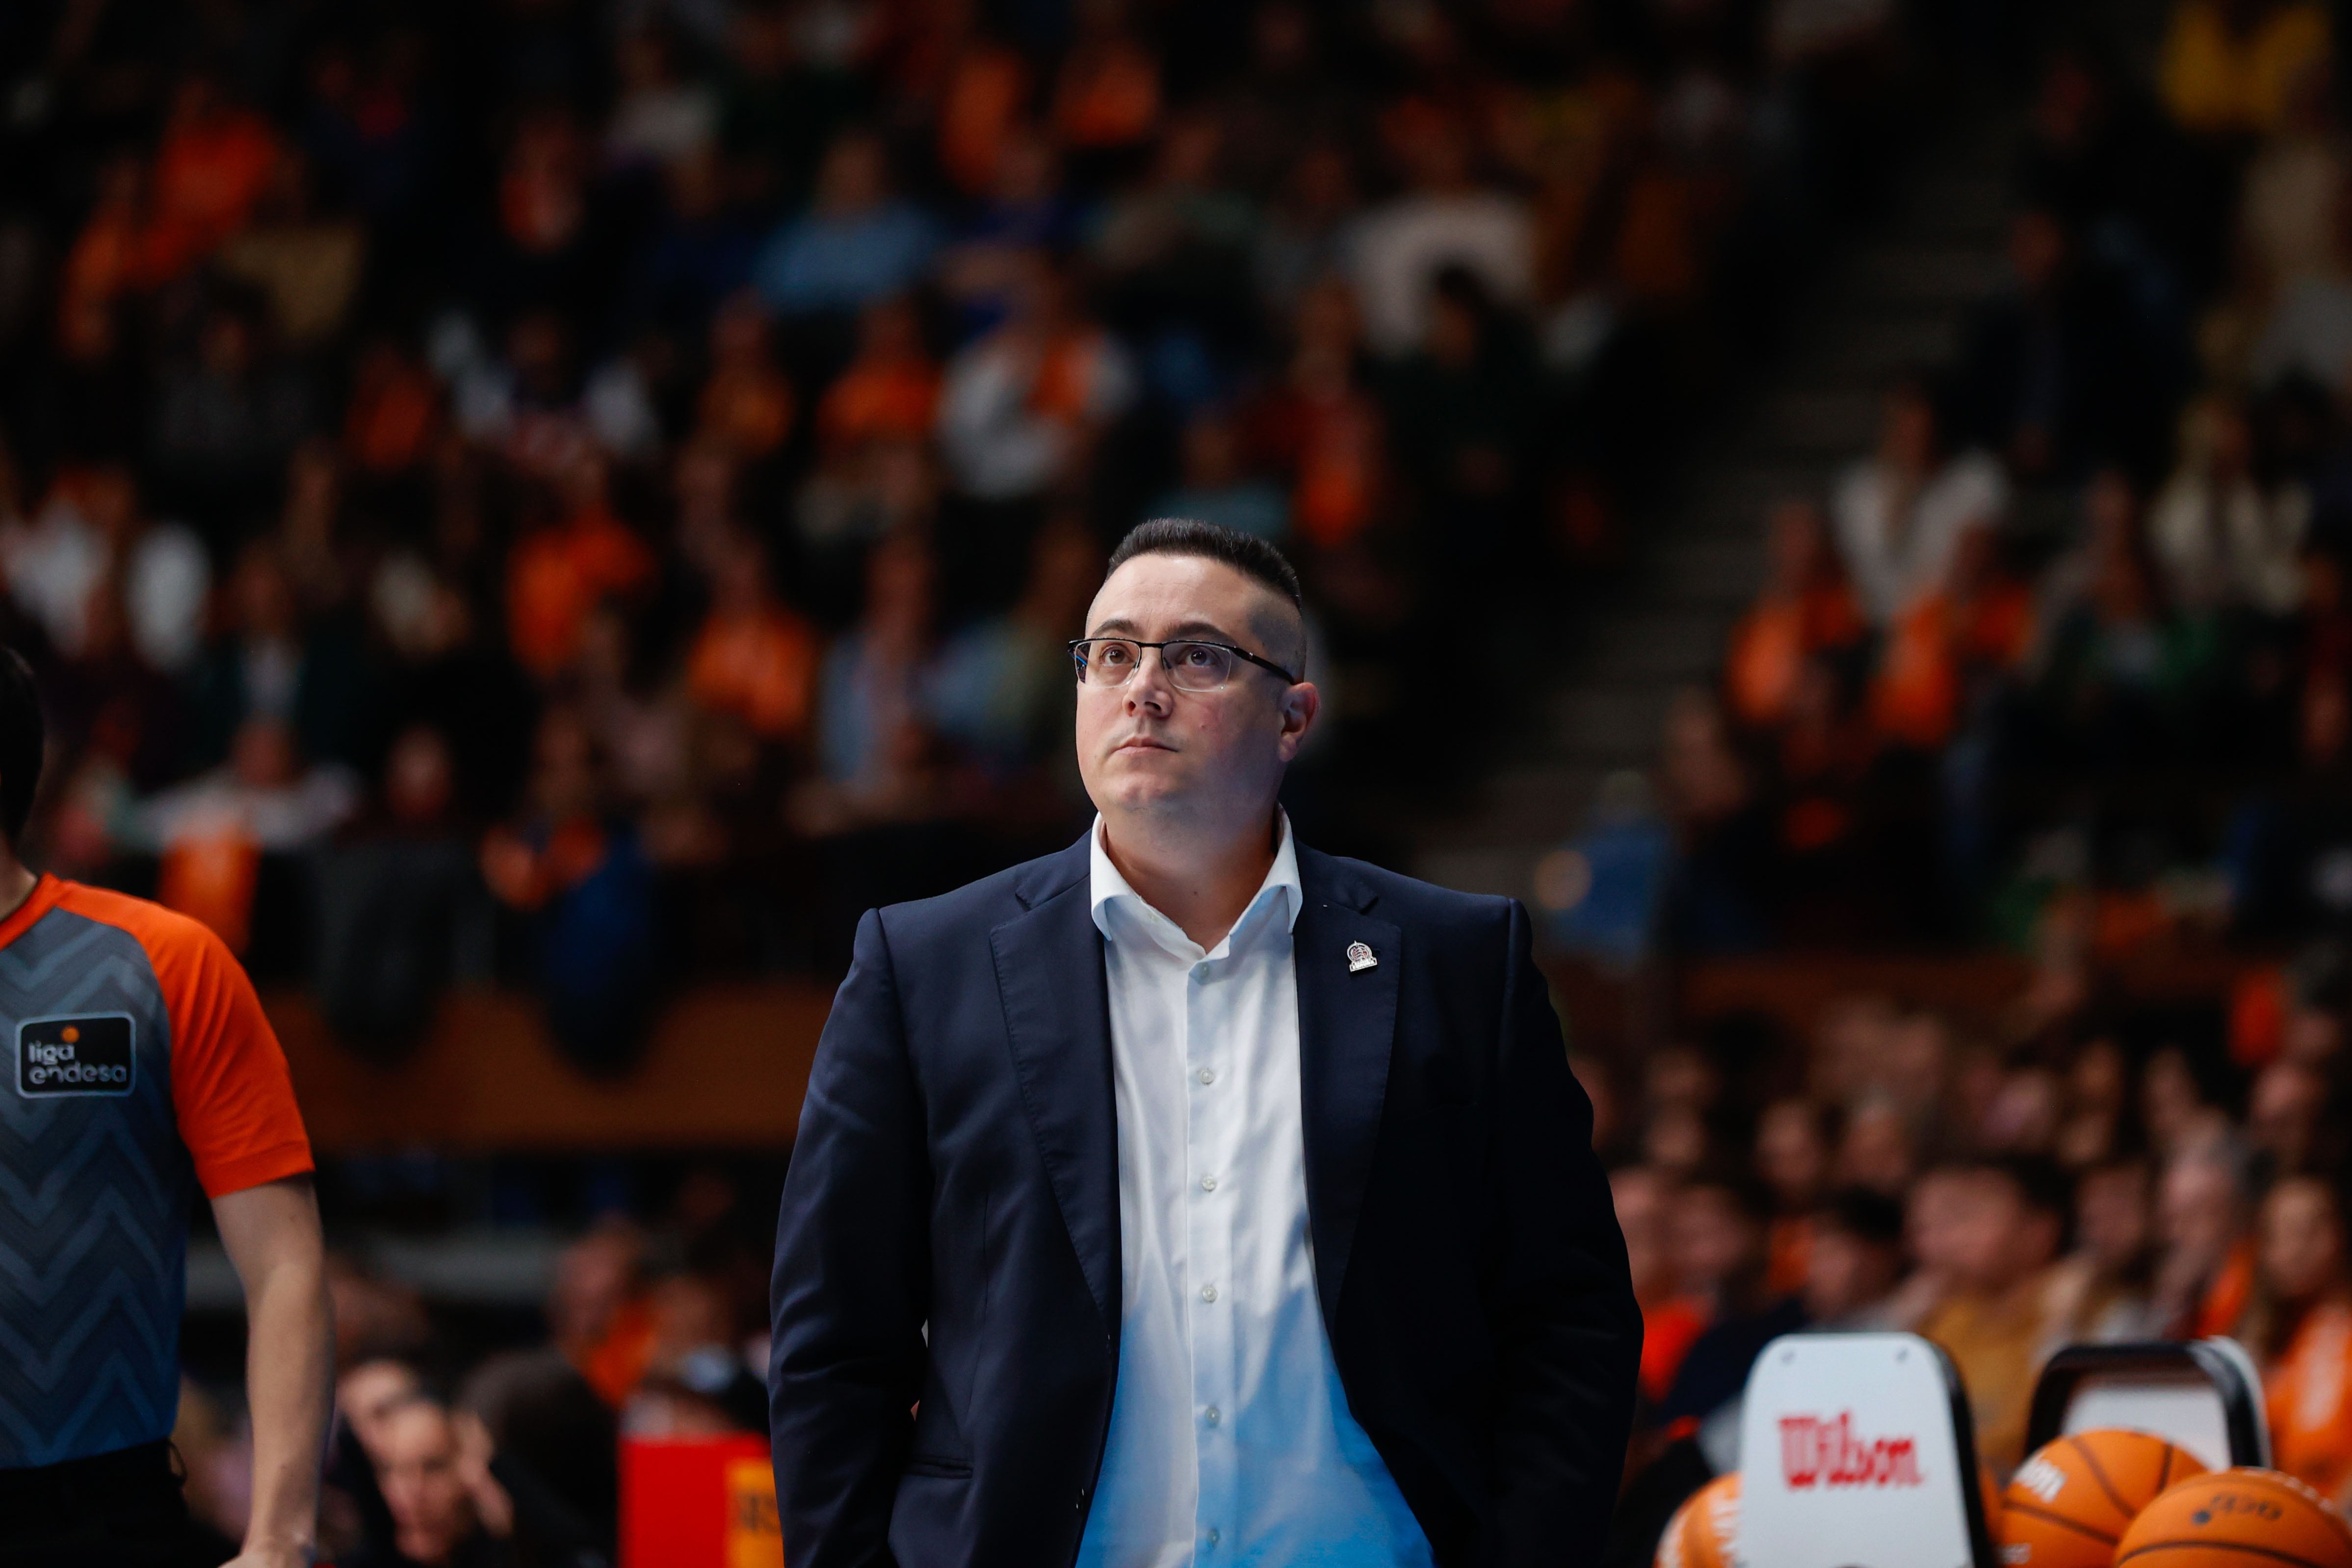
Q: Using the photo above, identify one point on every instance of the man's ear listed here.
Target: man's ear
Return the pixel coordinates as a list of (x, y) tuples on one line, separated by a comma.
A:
[(1298, 707)]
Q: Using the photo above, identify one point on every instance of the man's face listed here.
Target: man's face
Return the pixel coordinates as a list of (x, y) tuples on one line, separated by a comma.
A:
[(417, 1469), (1146, 747)]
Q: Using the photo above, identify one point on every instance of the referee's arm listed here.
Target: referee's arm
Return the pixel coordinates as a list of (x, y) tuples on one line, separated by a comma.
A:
[(271, 1232)]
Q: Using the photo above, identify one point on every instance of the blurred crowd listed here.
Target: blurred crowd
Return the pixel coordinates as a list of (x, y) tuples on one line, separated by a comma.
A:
[(2066, 1167), (596, 491), (454, 1447), (2077, 629)]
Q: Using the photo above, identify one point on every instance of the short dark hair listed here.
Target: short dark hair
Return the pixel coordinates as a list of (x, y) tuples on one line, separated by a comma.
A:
[(1246, 553), (1868, 1216), (22, 737)]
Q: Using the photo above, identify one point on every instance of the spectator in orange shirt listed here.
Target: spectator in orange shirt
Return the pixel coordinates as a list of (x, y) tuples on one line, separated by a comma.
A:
[(1806, 608), (1109, 94), (753, 657), (2304, 1335), (108, 259), (213, 163), (891, 390), (560, 570), (746, 402)]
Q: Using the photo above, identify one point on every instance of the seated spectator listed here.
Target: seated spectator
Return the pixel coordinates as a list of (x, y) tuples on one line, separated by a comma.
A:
[(1176, 248), (891, 390), (700, 248), (395, 900), (1853, 1263), (1020, 408), (1216, 488), (1302, 240), (856, 243), (1899, 515), (2223, 541), (660, 117), (580, 876), (1458, 410), (2227, 66), (753, 657), (439, 1494), (2304, 1333), (999, 690), (553, 1450), (395, 408), (227, 416), (981, 86), (91, 532), (272, 666), (747, 404), (307, 267), (2121, 680), (1023, 211), (211, 169), (1644, 1199), (1323, 426), (1445, 220), (1720, 1228), (211, 831), (597, 1314), (573, 554), (1974, 631), (2205, 1271), (779, 107), (1806, 610), (2008, 1226), (1794, 1138), (1107, 97), (2056, 375), (873, 743), (2109, 1277)]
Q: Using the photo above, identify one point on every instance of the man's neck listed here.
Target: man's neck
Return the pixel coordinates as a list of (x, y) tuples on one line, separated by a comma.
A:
[(17, 884), (1201, 884)]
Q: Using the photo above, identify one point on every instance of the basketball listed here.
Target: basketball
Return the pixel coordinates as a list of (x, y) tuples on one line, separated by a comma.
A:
[(1700, 1535), (2072, 1500), (2239, 1519)]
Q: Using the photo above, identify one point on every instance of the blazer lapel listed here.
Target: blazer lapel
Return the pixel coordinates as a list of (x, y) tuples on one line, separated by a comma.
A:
[(1049, 976), (1347, 1026)]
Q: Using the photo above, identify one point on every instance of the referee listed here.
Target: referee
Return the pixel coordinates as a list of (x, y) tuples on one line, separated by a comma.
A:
[(140, 1069)]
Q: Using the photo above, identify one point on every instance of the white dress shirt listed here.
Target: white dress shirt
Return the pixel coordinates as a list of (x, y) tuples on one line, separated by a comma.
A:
[(1230, 1437)]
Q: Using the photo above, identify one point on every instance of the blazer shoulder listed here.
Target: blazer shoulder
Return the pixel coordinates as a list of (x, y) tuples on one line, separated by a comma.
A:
[(981, 906), (1408, 901)]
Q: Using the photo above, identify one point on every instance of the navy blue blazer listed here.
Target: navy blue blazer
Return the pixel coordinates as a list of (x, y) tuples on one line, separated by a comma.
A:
[(946, 1296)]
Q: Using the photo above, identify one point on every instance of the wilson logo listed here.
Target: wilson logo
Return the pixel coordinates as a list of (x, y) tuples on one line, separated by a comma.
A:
[(1817, 1452)]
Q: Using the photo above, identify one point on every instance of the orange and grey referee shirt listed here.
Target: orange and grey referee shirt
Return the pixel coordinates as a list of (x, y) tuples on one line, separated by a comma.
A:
[(139, 1070)]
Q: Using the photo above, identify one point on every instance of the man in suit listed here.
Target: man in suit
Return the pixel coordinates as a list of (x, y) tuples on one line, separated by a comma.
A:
[(1189, 1194)]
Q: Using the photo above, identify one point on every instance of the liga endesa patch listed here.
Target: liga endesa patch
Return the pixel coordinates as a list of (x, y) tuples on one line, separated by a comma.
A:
[(76, 1055)]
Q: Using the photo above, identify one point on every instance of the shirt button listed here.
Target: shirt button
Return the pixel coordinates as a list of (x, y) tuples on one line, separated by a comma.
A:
[(1213, 1536), (1208, 1184), (1200, 972), (1208, 1075), (1209, 1293), (1212, 1416)]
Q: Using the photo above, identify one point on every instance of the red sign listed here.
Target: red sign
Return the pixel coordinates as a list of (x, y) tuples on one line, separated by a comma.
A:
[(698, 1502), (1815, 1450)]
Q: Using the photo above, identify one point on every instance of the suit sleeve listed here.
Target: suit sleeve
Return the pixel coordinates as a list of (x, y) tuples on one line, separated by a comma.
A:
[(851, 1280), (1568, 1331)]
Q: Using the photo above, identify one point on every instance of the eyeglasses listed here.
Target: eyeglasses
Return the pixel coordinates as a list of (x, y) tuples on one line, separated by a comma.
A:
[(1191, 666)]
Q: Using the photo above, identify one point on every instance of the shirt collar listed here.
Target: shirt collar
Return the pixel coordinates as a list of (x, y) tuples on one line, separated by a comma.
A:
[(1109, 890)]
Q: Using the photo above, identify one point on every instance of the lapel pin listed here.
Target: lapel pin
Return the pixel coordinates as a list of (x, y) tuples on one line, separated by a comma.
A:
[(1359, 957)]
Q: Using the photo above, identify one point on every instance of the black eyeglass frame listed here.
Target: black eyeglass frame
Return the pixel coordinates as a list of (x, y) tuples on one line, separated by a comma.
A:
[(1079, 657)]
